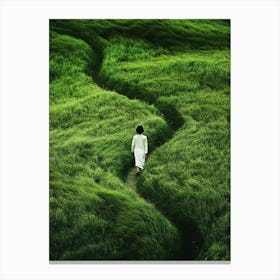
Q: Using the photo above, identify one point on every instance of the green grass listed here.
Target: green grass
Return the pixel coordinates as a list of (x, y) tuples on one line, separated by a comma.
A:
[(170, 34), (93, 214), (188, 177), (180, 70)]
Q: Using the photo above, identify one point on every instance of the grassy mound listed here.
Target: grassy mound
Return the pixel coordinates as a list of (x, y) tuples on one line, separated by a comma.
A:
[(93, 214)]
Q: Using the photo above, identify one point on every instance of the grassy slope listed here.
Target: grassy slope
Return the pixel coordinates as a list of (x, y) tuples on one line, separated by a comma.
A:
[(170, 34), (191, 88), (188, 177), (93, 214)]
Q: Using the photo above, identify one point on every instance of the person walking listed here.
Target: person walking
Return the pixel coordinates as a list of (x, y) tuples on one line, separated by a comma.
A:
[(139, 147)]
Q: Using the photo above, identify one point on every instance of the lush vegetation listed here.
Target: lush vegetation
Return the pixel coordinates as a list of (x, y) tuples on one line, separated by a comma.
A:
[(180, 70), (188, 177), (93, 214)]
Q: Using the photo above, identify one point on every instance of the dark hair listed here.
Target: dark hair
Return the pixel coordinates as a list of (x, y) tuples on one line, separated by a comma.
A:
[(139, 129)]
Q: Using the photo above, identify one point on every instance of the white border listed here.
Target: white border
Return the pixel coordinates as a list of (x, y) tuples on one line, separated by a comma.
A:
[(255, 138)]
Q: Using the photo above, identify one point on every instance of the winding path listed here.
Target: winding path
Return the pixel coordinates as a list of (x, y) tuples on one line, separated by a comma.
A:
[(170, 114)]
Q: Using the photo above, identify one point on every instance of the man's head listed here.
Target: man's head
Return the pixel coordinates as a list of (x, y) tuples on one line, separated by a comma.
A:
[(139, 129)]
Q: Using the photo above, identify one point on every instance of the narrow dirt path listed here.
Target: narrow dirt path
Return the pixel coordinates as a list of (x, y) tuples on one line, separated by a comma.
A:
[(131, 179)]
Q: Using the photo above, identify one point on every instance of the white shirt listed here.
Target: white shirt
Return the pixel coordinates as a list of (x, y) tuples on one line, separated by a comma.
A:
[(139, 142)]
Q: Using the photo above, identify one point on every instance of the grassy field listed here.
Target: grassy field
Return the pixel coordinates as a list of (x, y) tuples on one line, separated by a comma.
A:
[(171, 76)]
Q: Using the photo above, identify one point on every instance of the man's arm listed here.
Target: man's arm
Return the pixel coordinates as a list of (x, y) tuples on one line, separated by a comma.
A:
[(132, 144), (146, 145)]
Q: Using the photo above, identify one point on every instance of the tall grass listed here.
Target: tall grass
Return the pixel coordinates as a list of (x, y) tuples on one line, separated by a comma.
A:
[(180, 68), (93, 214), (188, 178), (170, 34)]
